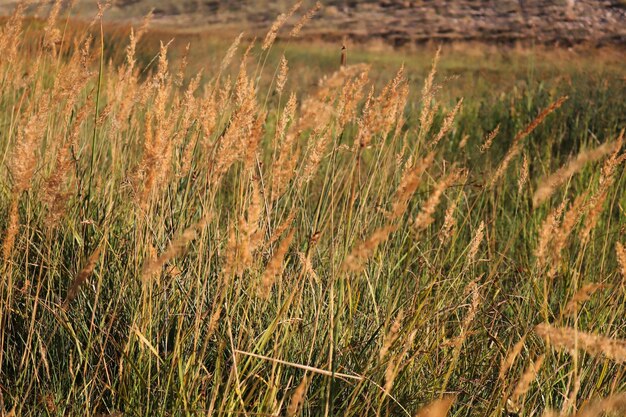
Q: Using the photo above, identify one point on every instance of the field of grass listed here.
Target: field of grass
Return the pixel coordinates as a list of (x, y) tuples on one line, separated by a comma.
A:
[(412, 234)]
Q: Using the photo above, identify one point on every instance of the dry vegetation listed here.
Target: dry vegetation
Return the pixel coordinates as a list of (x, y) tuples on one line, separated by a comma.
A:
[(224, 243)]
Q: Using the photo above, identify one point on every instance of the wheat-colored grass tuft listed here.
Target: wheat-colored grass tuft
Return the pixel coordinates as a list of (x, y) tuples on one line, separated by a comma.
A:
[(409, 182), (549, 185), (547, 233), (52, 34), (570, 339), (425, 217), (510, 357), (22, 166), (474, 291), (297, 399), (12, 229), (349, 100), (176, 246), (307, 265), (270, 37), (582, 295), (281, 78), (315, 154), (232, 146), (364, 250), (595, 206), (620, 251), (570, 219), (615, 404), (437, 408), (447, 123), (83, 275), (449, 223), (230, 53), (275, 266), (529, 375), (283, 169), (429, 108), (230, 266), (516, 146), (10, 35), (463, 142), (295, 32), (281, 228), (392, 335), (479, 235), (489, 139), (524, 174)]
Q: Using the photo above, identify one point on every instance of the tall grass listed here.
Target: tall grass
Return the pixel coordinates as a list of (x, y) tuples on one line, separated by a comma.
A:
[(208, 244)]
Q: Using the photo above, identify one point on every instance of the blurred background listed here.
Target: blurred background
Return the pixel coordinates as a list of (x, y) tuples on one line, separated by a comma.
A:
[(394, 22)]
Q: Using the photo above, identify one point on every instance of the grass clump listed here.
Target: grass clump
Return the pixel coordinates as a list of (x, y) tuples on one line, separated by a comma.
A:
[(217, 244)]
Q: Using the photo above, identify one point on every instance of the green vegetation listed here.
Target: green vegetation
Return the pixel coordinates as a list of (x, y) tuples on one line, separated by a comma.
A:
[(175, 244)]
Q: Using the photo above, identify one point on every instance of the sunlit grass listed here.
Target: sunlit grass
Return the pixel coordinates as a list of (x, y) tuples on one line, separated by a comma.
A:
[(183, 244)]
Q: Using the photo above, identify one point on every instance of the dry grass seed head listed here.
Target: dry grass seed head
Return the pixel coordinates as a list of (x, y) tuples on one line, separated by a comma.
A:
[(28, 144), (429, 108), (526, 379), (549, 185), (595, 206), (620, 251), (516, 146), (230, 53), (489, 139), (12, 230), (307, 265), (251, 151), (53, 193), (270, 37), (233, 143), (297, 399), (570, 219), (449, 223), (473, 289), (392, 335), (281, 228), (615, 404), (582, 295), (571, 339), (284, 169), (365, 249), (10, 34), (409, 182), (510, 357), (351, 95), (182, 67), (547, 233), (315, 154), (175, 248), (230, 265), (524, 174), (437, 408), (52, 34), (83, 275), (425, 217), (475, 243), (295, 32), (275, 266), (447, 123), (281, 78), (389, 106)]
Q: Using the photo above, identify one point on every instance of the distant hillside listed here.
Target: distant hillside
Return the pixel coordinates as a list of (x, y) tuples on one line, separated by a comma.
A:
[(401, 22)]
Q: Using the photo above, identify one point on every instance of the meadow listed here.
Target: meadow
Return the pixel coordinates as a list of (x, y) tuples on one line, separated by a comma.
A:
[(247, 227)]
